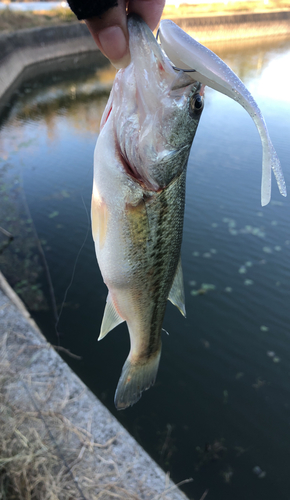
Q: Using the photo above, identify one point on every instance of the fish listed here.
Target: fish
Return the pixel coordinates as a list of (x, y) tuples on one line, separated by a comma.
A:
[(138, 200)]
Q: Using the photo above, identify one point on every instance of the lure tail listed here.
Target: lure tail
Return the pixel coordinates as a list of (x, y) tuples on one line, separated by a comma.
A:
[(136, 378)]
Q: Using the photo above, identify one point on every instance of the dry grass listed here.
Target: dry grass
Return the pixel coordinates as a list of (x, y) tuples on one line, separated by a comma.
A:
[(12, 20), (184, 10), (44, 455)]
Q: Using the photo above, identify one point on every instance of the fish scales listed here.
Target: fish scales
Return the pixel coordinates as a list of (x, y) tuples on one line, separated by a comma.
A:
[(156, 234)]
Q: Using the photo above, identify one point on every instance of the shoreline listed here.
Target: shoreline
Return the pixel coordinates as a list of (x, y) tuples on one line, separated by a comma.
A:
[(25, 53)]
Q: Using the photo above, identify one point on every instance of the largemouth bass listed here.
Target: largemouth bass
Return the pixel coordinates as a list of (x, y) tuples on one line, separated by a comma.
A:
[(138, 201)]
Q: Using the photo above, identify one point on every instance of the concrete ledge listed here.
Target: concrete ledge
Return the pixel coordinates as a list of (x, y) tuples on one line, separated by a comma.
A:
[(33, 49), (236, 26), (40, 37), (43, 389)]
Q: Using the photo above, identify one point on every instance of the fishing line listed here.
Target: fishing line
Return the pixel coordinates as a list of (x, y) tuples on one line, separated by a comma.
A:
[(74, 269), (173, 67)]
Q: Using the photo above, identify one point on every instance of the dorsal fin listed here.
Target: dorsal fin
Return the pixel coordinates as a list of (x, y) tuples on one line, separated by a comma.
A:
[(111, 318), (176, 295)]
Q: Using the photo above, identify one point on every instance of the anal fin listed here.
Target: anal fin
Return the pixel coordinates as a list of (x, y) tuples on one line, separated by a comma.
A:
[(111, 318), (176, 295)]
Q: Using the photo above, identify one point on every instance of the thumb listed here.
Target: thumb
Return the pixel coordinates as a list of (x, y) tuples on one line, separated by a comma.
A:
[(111, 34)]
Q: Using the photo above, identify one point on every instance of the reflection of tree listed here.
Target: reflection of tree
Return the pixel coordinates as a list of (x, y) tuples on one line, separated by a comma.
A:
[(81, 101)]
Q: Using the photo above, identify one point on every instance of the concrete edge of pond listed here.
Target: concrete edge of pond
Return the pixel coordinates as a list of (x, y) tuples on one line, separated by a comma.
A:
[(44, 380), (33, 52)]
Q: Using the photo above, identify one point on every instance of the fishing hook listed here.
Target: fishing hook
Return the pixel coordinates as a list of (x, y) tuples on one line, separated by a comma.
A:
[(175, 67)]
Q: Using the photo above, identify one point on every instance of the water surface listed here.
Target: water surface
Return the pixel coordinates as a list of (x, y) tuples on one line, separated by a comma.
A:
[(220, 409)]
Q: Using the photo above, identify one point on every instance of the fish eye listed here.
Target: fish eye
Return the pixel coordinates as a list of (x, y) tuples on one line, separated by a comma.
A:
[(196, 104)]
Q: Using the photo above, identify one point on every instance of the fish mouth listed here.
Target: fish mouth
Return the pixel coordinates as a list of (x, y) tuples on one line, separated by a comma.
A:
[(149, 96)]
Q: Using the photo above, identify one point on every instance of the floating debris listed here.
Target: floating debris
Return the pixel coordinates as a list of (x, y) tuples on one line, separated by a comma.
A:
[(242, 270), (276, 359), (271, 354), (228, 289), (208, 286), (278, 203), (207, 255), (214, 224), (195, 254), (234, 232), (239, 375), (255, 231), (192, 283), (267, 249), (248, 263), (264, 328), (205, 287), (259, 383), (213, 250), (274, 223), (277, 248), (259, 472), (260, 214), (210, 452), (227, 475), (53, 214), (248, 282)]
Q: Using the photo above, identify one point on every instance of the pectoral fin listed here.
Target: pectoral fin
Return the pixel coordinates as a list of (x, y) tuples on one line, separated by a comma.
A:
[(176, 295), (111, 318)]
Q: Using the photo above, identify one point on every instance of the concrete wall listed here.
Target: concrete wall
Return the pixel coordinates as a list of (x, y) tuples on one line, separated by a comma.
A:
[(236, 26), (33, 52)]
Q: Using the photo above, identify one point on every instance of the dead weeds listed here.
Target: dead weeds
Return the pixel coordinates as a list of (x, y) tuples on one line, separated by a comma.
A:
[(44, 455), (14, 20)]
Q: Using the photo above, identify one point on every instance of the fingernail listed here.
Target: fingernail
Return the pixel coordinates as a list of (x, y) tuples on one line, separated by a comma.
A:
[(115, 46)]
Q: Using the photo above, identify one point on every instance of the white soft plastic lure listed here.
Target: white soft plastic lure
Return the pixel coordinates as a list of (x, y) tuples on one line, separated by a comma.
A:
[(186, 53)]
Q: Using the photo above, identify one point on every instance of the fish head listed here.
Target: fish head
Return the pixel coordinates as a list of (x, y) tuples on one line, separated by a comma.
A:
[(155, 111)]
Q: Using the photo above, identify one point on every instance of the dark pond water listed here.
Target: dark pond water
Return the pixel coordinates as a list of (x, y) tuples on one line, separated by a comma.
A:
[(220, 409)]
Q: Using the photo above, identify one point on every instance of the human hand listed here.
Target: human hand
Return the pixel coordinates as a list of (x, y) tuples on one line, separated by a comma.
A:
[(110, 31)]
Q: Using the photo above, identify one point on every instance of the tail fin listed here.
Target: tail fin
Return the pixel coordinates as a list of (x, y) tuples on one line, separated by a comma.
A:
[(135, 378)]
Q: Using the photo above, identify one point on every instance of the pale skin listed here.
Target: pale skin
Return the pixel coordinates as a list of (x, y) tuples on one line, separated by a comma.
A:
[(110, 31)]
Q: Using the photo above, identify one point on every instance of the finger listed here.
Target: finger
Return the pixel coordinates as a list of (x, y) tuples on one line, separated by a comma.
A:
[(111, 34), (149, 10)]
